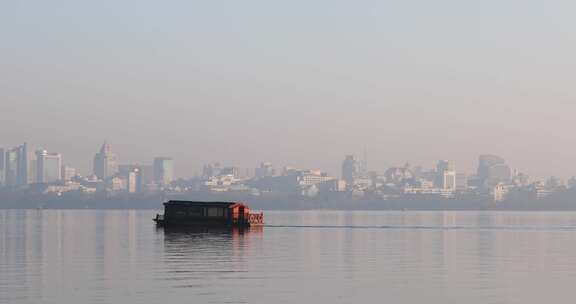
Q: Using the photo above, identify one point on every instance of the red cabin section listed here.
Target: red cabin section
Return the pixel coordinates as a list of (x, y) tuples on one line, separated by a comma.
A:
[(196, 213)]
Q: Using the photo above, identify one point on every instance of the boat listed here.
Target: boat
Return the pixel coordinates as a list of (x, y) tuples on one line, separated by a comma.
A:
[(199, 213)]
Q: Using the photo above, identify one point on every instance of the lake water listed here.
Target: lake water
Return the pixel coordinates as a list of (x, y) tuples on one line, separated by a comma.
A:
[(87, 256)]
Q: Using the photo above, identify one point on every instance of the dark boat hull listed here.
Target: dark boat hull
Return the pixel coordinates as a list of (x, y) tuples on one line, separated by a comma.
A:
[(164, 223)]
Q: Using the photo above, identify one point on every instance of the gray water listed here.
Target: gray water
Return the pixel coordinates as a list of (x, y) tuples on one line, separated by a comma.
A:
[(86, 256)]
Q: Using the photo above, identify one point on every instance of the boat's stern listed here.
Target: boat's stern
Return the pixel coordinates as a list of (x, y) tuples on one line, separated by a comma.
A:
[(256, 219), (159, 219)]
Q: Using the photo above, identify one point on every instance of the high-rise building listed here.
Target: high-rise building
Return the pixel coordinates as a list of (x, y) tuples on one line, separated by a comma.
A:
[(461, 182), (48, 167), (211, 170), (134, 177), (134, 180), (32, 167), (147, 172), (499, 173), (23, 161), (124, 169), (105, 163), (246, 173), (68, 173), (445, 165), (485, 162), (449, 180), (233, 171), (11, 167), (492, 170), (2, 167), (446, 175), (163, 170), (266, 169), (16, 166), (350, 169)]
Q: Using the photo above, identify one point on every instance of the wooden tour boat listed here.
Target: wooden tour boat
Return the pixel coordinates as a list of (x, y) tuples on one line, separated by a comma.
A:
[(194, 213)]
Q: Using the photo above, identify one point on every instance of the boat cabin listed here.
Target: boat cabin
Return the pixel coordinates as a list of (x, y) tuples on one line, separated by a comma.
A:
[(178, 212)]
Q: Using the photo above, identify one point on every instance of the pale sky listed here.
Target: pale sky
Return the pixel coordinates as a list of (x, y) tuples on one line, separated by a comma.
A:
[(297, 82)]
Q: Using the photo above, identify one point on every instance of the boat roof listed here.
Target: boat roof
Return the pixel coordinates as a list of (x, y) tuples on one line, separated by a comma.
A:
[(204, 203)]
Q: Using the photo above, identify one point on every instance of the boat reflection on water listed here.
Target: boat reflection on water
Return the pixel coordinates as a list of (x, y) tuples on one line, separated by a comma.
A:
[(184, 231), (193, 257), (199, 243)]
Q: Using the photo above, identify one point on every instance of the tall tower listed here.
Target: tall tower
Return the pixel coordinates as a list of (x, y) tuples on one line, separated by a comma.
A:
[(22, 160), (163, 170), (265, 169), (350, 170), (11, 167), (105, 163), (2, 167), (134, 180), (16, 166), (493, 169), (446, 175), (48, 167)]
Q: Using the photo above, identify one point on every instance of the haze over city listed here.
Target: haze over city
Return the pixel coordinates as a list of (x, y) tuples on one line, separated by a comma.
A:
[(326, 151), (241, 83)]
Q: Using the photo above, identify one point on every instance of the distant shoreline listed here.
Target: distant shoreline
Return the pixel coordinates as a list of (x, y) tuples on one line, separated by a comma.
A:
[(275, 202)]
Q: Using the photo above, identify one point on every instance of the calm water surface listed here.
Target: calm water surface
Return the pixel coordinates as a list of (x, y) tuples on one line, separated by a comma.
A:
[(86, 256)]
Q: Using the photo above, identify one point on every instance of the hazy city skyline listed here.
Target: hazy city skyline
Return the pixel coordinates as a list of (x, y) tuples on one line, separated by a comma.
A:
[(257, 81), (179, 172), (328, 151)]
